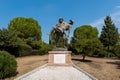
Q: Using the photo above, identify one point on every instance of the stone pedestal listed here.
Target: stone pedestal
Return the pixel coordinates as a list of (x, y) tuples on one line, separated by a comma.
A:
[(59, 58)]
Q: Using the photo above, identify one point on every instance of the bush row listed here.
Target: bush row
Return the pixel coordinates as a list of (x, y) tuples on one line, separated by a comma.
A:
[(100, 52), (24, 49)]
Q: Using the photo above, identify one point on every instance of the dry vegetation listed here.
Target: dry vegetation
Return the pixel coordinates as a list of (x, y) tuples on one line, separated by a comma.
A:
[(101, 68)]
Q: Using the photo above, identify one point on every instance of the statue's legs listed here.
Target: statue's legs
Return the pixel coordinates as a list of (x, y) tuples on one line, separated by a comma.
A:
[(64, 40), (57, 38)]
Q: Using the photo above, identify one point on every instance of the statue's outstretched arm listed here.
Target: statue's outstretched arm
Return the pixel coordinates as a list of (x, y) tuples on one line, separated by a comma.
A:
[(52, 30)]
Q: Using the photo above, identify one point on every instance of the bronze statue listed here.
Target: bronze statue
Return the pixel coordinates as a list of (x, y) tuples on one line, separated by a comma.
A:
[(59, 30)]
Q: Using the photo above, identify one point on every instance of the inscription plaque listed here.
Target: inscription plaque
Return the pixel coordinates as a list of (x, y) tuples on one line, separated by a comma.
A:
[(59, 59)]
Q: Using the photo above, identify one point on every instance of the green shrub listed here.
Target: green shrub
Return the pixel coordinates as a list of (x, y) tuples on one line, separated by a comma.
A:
[(112, 55), (45, 48), (24, 50), (74, 51), (43, 51), (8, 65), (116, 50), (102, 53), (12, 50), (35, 44), (35, 52)]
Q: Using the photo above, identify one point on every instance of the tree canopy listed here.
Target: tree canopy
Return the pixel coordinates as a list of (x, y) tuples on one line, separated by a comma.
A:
[(86, 40), (85, 32), (109, 35), (26, 28)]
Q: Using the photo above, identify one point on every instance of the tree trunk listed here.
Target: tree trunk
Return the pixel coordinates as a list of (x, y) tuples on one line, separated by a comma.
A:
[(108, 51), (83, 56)]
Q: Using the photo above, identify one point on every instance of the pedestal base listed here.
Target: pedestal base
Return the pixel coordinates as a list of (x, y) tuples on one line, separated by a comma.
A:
[(59, 58)]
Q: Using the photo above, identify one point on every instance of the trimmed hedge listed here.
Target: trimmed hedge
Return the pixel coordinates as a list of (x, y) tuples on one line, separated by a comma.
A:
[(8, 65)]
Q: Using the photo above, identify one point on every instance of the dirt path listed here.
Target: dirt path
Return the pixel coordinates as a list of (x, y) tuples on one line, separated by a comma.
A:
[(101, 68)]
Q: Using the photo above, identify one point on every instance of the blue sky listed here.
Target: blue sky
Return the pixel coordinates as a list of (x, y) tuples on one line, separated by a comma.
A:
[(47, 12)]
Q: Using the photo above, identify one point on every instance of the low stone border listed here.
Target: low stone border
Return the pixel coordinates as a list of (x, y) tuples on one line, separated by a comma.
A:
[(89, 75), (33, 71), (29, 73)]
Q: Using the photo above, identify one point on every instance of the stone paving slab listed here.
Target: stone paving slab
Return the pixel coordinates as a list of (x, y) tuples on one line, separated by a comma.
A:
[(56, 73)]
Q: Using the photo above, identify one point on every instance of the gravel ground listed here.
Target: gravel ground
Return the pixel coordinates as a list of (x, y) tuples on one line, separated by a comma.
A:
[(101, 68), (55, 73)]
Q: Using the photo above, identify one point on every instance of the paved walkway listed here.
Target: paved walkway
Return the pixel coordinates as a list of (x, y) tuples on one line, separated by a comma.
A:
[(55, 73)]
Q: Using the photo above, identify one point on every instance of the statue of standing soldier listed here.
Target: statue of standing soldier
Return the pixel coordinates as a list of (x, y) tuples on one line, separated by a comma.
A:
[(59, 30)]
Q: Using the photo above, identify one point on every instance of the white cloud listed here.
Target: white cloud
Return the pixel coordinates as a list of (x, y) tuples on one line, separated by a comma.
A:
[(100, 22), (117, 7), (97, 22), (116, 17)]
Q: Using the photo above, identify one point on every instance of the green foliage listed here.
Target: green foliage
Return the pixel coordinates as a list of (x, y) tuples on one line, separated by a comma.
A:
[(45, 48), (35, 52), (7, 39), (26, 28), (109, 35), (118, 40), (116, 50), (71, 47), (85, 32), (103, 53), (86, 40), (94, 47), (35, 44), (60, 41), (24, 50), (91, 47), (8, 65), (41, 48)]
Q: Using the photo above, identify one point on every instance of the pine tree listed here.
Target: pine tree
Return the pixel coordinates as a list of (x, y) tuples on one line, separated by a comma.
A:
[(109, 35)]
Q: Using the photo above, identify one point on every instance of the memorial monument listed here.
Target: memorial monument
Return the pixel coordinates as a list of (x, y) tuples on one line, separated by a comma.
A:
[(60, 56)]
